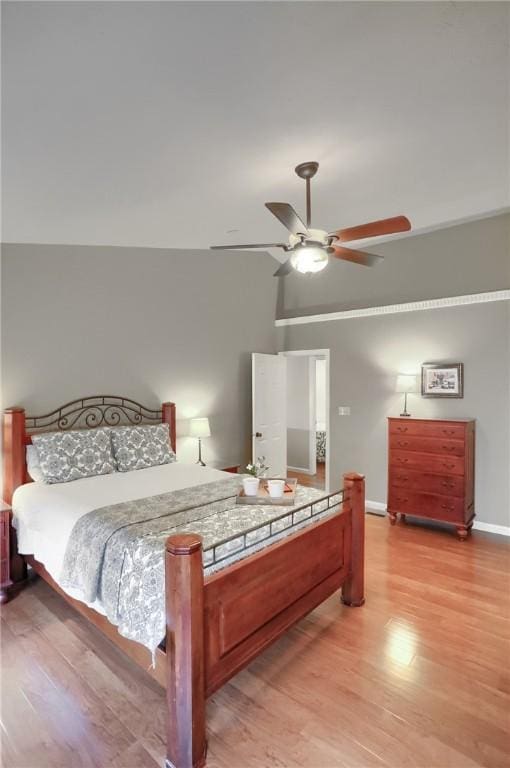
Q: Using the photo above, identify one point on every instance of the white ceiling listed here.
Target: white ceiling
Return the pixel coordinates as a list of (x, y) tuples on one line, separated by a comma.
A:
[(169, 124)]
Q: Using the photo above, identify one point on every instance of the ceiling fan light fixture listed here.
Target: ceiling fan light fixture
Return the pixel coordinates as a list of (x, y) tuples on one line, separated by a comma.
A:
[(309, 259)]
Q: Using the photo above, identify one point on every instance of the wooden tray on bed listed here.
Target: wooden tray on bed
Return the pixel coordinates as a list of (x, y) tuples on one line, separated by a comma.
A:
[(263, 497)]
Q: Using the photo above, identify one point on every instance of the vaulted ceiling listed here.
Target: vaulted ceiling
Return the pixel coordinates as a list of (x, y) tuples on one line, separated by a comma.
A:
[(170, 124)]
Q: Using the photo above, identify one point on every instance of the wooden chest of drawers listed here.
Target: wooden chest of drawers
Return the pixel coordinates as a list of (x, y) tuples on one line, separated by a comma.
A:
[(431, 470)]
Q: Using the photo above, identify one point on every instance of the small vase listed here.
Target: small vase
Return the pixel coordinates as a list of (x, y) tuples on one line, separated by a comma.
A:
[(251, 486)]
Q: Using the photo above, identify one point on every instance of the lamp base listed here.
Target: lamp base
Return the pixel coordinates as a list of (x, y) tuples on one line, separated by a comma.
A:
[(405, 406), (199, 461)]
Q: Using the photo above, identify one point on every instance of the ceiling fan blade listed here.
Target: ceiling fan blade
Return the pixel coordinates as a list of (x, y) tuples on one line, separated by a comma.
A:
[(358, 257), (285, 213), (249, 245), (374, 229), (284, 269)]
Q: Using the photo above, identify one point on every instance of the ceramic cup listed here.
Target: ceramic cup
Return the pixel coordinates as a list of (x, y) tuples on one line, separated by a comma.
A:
[(251, 485), (275, 488)]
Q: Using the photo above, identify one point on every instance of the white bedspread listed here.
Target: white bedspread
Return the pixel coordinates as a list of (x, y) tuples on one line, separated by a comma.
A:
[(44, 515)]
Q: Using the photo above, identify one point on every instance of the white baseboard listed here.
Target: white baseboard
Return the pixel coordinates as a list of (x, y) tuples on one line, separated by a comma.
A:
[(301, 470), (502, 530), (378, 508)]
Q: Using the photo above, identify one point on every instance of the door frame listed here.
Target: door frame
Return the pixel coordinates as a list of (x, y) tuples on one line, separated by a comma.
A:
[(314, 353)]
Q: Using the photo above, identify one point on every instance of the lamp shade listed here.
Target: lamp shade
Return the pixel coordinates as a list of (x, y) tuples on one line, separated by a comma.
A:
[(406, 383), (199, 427)]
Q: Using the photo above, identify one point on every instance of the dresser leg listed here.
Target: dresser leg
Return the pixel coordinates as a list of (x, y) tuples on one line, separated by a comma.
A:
[(402, 518), (463, 531), (393, 517)]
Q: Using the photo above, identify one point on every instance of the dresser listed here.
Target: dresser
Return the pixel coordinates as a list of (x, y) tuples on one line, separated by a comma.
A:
[(431, 470)]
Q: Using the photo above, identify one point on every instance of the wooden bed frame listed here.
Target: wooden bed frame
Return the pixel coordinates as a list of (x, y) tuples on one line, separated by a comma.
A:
[(218, 624)]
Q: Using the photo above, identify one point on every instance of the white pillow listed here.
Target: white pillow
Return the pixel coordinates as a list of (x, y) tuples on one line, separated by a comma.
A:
[(33, 466)]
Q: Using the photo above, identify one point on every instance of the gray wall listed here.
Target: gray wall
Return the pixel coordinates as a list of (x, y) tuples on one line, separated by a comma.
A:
[(146, 323), (464, 259), (368, 353), (157, 324)]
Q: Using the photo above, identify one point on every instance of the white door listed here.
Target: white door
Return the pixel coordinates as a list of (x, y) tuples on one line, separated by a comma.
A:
[(269, 417)]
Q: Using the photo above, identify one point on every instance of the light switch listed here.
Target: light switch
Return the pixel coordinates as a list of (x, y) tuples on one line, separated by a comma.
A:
[(344, 410)]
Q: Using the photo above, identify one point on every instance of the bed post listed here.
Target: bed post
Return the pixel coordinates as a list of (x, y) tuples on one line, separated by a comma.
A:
[(353, 590), (168, 417), (14, 450), (186, 743), (14, 467)]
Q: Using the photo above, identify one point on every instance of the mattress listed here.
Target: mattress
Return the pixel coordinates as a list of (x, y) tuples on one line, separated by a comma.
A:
[(102, 538), (44, 515)]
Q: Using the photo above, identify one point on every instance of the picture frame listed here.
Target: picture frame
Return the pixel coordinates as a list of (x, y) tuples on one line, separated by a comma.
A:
[(442, 380)]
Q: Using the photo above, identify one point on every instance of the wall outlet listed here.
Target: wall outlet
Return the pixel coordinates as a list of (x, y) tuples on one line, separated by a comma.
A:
[(344, 410)]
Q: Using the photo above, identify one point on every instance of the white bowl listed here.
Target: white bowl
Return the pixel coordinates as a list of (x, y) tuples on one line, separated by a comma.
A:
[(276, 488), (251, 485)]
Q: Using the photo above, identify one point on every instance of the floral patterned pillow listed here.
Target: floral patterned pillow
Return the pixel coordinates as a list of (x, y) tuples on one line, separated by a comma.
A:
[(65, 456), (141, 447)]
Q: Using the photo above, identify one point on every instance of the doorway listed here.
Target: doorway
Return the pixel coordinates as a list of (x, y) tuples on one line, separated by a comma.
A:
[(307, 395)]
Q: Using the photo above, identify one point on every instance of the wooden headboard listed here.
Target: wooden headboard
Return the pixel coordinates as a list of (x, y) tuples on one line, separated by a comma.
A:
[(85, 413)]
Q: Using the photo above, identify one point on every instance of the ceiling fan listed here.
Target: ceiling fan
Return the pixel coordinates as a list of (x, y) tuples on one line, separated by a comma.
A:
[(309, 248)]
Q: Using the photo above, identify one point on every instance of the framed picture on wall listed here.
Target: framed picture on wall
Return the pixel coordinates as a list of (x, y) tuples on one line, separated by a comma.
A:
[(442, 380)]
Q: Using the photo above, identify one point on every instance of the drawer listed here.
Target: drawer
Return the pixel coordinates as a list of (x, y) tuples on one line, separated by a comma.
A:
[(427, 444), (430, 505), (427, 462), (451, 485), (428, 429)]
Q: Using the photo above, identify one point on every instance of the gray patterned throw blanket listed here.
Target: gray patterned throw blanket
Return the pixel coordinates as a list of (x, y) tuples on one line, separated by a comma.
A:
[(116, 554)]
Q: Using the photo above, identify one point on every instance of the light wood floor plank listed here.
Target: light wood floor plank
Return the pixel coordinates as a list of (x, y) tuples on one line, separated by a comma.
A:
[(417, 678)]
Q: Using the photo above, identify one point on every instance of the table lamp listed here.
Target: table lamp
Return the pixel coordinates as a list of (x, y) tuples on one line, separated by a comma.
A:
[(200, 428), (406, 384)]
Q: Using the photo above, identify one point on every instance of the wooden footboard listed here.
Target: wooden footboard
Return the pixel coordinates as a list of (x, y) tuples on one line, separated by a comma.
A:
[(218, 625)]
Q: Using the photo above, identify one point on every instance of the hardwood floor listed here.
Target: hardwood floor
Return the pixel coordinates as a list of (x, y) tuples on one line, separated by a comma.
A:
[(417, 677), (312, 481)]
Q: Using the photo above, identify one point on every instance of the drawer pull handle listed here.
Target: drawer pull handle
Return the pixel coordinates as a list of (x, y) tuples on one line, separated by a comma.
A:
[(401, 498), (401, 429), (448, 466), (449, 447), (445, 506), (402, 477), (403, 442), (449, 431), (445, 484), (404, 461)]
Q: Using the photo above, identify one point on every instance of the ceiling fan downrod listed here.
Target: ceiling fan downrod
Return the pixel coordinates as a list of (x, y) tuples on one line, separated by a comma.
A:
[(307, 171)]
